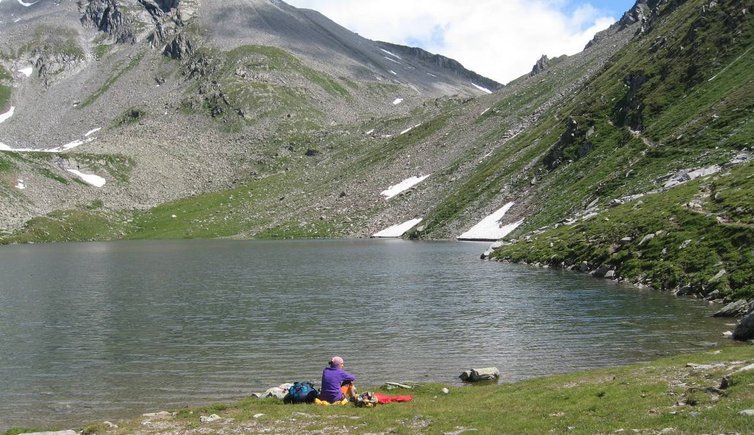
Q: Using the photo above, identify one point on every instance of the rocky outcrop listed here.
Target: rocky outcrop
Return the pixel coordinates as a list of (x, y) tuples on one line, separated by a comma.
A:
[(180, 47), (540, 66), (628, 112), (107, 16), (733, 309), (573, 144), (165, 5)]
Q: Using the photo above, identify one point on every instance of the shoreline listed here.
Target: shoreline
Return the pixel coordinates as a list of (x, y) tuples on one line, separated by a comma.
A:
[(706, 391)]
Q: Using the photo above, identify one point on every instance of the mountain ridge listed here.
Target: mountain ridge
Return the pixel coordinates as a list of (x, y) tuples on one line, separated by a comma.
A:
[(247, 140)]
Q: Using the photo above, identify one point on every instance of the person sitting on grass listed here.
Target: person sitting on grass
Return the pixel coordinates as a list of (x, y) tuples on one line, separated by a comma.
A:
[(337, 384)]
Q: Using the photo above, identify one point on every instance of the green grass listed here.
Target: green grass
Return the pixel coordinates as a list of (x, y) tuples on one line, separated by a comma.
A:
[(5, 89), (6, 163), (684, 246), (86, 224), (647, 397), (53, 176), (101, 50)]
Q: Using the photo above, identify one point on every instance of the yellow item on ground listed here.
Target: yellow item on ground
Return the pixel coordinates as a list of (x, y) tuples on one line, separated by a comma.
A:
[(317, 401)]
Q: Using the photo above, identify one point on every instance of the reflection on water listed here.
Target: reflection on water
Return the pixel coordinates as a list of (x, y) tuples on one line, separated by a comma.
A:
[(101, 330)]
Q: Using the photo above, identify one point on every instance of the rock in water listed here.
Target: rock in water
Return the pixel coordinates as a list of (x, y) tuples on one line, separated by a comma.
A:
[(745, 329)]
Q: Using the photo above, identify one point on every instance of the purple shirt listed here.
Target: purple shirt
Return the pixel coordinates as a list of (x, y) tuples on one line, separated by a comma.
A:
[(332, 379)]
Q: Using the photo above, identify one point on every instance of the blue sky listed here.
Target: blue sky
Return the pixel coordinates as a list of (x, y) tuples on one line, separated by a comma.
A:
[(501, 39), (614, 8)]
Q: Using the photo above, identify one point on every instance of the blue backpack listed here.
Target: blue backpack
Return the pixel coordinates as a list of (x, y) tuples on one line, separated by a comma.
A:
[(301, 392)]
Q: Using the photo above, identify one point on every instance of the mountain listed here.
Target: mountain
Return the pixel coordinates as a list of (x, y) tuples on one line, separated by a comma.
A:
[(253, 119), (174, 79)]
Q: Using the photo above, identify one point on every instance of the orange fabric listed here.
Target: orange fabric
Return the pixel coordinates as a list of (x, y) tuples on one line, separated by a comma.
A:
[(383, 399), (347, 390)]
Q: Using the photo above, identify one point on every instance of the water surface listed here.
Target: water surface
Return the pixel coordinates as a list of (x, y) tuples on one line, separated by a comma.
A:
[(102, 330)]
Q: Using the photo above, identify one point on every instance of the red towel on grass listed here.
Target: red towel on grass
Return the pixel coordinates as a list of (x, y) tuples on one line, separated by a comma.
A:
[(383, 399)]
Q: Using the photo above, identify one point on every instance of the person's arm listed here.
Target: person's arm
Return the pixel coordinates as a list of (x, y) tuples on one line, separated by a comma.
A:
[(346, 377)]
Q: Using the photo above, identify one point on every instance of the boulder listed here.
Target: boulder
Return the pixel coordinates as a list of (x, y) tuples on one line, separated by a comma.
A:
[(484, 374), (745, 329), (600, 272), (733, 309)]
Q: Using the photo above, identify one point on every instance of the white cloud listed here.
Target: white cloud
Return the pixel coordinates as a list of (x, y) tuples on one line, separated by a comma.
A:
[(499, 39)]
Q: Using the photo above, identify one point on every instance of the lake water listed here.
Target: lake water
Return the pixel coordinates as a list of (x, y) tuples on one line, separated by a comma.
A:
[(98, 331)]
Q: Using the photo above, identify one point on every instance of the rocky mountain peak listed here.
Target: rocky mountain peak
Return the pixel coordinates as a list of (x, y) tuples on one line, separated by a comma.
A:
[(540, 66), (107, 16)]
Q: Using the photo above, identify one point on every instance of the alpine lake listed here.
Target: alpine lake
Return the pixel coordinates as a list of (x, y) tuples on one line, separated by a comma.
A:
[(96, 331)]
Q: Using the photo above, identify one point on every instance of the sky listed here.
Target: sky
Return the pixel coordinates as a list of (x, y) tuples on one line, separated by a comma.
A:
[(500, 39)]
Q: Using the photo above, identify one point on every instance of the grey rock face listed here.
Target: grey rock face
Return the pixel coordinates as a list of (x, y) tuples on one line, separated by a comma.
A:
[(540, 66), (180, 47), (106, 16)]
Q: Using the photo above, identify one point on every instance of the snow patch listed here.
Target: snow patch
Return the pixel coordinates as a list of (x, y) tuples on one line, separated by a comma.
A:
[(489, 228), (391, 53), (485, 111), (397, 101), (6, 116), (403, 186), (20, 185), (94, 180), (392, 60), (409, 129), (27, 4), (92, 131), (66, 147), (393, 72), (397, 230), (370, 132), (481, 88), (26, 71)]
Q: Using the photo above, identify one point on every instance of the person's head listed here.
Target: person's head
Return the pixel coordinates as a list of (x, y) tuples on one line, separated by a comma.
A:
[(336, 362)]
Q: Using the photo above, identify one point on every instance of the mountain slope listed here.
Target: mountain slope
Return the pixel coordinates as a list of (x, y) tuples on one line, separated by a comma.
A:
[(594, 151), (134, 80)]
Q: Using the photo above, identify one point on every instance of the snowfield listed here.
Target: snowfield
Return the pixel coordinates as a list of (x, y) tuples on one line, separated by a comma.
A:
[(481, 88), (403, 186), (94, 180), (6, 116), (489, 228), (397, 230)]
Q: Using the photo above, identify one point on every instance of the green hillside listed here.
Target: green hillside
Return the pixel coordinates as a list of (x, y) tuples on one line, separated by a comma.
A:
[(677, 97)]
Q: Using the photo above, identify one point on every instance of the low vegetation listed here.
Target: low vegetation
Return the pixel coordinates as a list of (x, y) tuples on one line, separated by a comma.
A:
[(701, 393), (5, 89), (691, 239)]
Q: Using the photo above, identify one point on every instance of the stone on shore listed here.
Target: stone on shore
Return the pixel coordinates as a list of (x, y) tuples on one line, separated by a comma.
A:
[(484, 374), (733, 309)]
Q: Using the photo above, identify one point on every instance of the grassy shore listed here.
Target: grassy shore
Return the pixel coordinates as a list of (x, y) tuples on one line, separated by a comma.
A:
[(698, 393)]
